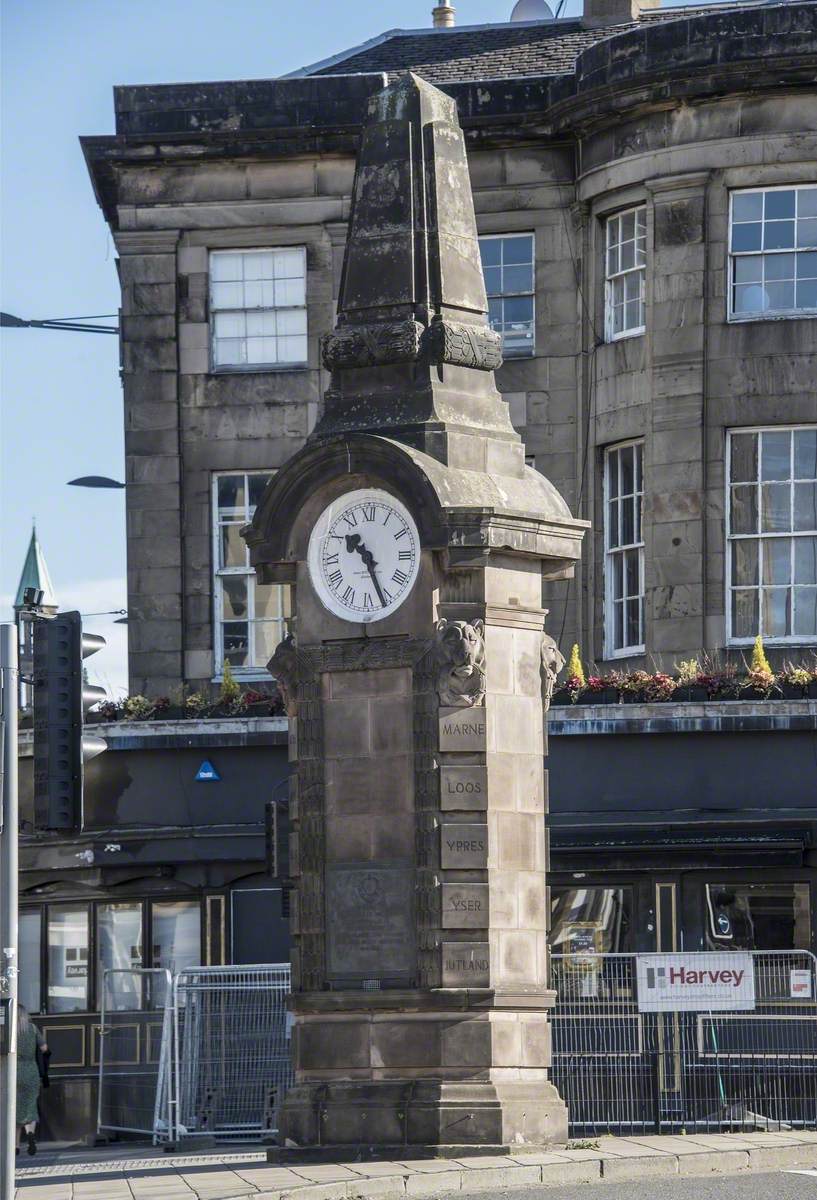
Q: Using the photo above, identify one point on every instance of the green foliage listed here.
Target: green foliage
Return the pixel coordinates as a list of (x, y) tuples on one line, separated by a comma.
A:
[(760, 663), (575, 670), (230, 693)]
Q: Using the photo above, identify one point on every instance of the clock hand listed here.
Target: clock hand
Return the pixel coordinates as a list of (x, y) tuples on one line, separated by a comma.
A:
[(354, 544)]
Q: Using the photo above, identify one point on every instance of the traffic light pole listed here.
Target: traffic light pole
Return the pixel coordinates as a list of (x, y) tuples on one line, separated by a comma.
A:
[(8, 910)]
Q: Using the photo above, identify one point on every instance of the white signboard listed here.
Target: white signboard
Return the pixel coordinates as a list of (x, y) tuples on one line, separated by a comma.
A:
[(695, 982), (800, 985)]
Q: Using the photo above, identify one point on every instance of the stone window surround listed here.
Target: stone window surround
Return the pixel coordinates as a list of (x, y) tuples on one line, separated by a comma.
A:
[(762, 185), (793, 639), (610, 650), (260, 366), (250, 673)]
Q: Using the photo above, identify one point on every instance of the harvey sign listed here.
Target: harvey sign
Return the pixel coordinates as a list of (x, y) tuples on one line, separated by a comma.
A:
[(695, 982)]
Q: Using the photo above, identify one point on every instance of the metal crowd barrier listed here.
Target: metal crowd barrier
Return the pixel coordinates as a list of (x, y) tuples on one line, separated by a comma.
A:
[(205, 1054), (633, 1053)]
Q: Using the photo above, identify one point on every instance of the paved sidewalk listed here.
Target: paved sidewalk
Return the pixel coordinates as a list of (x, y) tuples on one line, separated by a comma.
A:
[(137, 1173)]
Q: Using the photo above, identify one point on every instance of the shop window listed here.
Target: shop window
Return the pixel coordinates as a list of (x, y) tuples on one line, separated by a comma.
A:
[(119, 946), (28, 955), (758, 916), (625, 274), (507, 266), (250, 616), (624, 550), (67, 959), (771, 571), (773, 252), (176, 937), (590, 920), (258, 308)]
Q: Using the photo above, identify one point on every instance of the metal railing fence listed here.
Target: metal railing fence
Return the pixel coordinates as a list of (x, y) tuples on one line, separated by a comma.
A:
[(135, 1024), (626, 1060), (203, 1054), (231, 1060)]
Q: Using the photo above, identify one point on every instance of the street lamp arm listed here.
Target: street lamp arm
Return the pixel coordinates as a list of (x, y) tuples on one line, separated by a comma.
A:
[(72, 324)]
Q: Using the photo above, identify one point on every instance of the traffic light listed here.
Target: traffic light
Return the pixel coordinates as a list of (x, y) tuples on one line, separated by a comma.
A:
[(61, 699)]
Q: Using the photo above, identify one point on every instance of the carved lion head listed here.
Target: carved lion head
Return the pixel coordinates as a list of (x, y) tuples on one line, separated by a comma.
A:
[(461, 646)]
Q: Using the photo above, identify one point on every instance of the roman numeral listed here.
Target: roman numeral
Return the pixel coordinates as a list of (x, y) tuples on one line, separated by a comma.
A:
[(368, 512), (386, 593), (400, 578), (367, 602), (402, 533), (331, 560), (388, 516), (348, 596), (404, 554), (335, 579), (350, 519)]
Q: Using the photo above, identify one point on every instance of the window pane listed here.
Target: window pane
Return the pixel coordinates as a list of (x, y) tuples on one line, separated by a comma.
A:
[(805, 560), (235, 643), (518, 279), (490, 251), (176, 941), (807, 232), (805, 506), (119, 947), (805, 611), (268, 601), (228, 295), (758, 916), (780, 296), (234, 595), (618, 576), (780, 266), (777, 560), (749, 269), (628, 523), (28, 953), (493, 280), (807, 265), (747, 237), (744, 613), (257, 484), (67, 959), (744, 509), (775, 507), (258, 265), (776, 612), (267, 635), (633, 623), (289, 264), (779, 204), (292, 350), (805, 454), (633, 581), (225, 266), (230, 325), (627, 471), (745, 562), (775, 462), (747, 206), (229, 352), (806, 294), (612, 473), (639, 467), (592, 920), (778, 235), (807, 202), (231, 492), (517, 249), (614, 537), (233, 547), (743, 457), (750, 297)]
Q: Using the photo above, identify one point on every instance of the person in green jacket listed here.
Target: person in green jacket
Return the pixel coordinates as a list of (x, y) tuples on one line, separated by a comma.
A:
[(29, 1039)]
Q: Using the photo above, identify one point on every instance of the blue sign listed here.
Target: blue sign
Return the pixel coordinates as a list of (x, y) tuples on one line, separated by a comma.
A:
[(207, 773)]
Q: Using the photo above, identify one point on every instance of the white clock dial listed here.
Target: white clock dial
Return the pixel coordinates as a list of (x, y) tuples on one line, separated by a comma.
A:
[(364, 555)]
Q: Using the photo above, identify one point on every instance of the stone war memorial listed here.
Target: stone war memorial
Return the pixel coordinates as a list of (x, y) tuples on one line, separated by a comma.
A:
[(417, 678)]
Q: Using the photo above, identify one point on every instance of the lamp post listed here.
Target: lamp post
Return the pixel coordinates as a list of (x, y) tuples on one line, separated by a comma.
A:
[(8, 907), (71, 324)]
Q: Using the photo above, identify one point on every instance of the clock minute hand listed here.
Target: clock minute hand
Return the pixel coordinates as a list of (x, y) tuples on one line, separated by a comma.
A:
[(354, 544)]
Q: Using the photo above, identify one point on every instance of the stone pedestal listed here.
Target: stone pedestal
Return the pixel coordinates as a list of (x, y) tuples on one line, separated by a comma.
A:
[(418, 799)]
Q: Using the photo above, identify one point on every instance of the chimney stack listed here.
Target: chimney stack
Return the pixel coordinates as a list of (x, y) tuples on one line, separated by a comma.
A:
[(615, 12), (443, 16)]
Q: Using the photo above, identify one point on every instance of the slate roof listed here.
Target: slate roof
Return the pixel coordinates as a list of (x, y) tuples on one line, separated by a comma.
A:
[(501, 51)]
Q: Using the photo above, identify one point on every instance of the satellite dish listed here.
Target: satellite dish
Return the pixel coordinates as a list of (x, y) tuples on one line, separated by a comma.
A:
[(531, 10)]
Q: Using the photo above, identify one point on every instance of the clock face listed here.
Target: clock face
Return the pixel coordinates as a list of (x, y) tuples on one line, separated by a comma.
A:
[(364, 555)]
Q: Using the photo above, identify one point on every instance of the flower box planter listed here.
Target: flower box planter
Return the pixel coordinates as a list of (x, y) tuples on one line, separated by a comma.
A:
[(602, 696), (690, 693), (792, 691)]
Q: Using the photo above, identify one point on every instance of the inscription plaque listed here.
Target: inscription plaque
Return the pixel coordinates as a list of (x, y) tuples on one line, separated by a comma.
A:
[(464, 847), (466, 964), (465, 906), (462, 729), (463, 787), (369, 922)]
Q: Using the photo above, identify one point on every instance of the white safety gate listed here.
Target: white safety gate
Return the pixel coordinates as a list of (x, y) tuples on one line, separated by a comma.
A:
[(215, 1060)]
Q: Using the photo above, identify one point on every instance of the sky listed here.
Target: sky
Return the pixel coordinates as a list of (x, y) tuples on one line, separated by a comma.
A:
[(60, 395)]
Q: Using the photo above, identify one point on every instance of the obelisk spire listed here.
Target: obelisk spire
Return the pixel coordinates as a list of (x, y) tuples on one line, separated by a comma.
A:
[(412, 354)]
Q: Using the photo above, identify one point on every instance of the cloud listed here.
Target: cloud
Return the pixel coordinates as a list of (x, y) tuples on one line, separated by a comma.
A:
[(107, 668)]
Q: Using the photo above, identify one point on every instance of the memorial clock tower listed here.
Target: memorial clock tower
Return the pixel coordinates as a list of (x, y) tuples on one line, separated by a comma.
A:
[(416, 541)]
